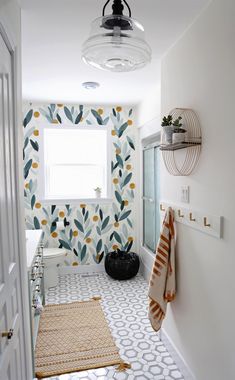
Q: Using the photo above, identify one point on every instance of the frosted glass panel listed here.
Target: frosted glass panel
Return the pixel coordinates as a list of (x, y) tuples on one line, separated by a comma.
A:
[(157, 191), (151, 196), (149, 225), (149, 173)]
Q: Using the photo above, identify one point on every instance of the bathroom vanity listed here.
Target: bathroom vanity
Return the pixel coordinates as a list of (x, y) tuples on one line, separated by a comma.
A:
[(35, 270)]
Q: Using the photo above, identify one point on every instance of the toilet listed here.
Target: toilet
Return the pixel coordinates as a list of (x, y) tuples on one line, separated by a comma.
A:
[(53, 258)]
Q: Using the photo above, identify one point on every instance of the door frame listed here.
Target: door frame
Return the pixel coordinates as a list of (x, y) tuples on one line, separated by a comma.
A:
[(20, 243)]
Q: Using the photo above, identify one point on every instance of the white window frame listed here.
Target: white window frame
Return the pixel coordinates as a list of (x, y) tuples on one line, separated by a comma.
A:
[(41, 174)]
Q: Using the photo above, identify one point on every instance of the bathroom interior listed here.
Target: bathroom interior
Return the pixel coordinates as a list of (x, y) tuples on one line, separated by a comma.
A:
[(127, 154)]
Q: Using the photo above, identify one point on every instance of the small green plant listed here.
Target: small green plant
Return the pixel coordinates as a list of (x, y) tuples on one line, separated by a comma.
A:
[(177, 122), (177, 125), (98, 189), (167, 121)]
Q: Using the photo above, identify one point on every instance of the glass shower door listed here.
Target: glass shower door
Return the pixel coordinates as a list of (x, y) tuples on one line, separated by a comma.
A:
[(151, 196), (149, 199)]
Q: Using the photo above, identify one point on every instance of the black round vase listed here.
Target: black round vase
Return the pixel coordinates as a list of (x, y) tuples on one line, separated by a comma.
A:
[(122, 265)]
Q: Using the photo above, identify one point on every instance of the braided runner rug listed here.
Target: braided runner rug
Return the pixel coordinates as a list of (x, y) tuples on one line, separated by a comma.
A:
[(73, 337)]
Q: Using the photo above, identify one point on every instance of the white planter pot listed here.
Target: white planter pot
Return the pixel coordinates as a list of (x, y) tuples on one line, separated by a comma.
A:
[(168, 132), (178, 137), (98, 194)]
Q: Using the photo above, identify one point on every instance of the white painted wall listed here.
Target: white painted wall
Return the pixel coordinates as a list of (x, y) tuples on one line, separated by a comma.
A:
[(199, 73), (148, 116)]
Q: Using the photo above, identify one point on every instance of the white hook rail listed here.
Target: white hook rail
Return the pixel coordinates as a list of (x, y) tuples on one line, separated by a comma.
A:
[(201, 221)]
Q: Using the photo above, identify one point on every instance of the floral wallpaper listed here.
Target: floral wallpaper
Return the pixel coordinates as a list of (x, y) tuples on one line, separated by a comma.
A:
[(90, 230)]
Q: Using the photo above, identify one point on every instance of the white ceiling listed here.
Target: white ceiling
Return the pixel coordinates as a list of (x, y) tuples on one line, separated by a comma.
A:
[(53, 32)]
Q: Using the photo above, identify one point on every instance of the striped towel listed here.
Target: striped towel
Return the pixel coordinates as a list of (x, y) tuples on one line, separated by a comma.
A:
[(162, 280)]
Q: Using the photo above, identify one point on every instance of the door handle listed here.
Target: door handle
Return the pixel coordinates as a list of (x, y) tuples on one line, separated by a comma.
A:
[(7, 334), (148, 199)]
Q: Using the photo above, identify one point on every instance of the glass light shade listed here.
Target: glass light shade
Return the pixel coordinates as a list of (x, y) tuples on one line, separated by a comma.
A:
[(116, 43)]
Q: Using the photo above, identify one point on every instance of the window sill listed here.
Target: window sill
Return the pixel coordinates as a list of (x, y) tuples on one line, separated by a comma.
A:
[(76, 201)]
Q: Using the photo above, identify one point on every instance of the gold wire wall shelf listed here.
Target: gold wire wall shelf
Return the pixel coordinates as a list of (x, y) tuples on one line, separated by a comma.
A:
[(175, 164)]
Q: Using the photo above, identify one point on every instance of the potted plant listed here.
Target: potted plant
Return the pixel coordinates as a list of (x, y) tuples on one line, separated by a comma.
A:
[(98, 192), (179, 132), (122, 265), (168, 128)]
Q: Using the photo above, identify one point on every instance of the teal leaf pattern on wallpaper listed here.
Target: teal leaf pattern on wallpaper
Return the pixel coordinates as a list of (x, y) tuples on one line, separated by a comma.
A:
[(27, 118), (89, 231)]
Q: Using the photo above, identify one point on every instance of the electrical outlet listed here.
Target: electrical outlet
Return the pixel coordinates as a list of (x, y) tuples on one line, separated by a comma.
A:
[(185, 194)]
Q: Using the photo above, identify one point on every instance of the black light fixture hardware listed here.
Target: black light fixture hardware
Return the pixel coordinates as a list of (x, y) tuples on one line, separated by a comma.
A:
[(117, 7), (119, 21), (116, 41)]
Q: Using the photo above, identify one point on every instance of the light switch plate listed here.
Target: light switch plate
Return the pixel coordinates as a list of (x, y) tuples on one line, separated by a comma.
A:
[(184, 194)]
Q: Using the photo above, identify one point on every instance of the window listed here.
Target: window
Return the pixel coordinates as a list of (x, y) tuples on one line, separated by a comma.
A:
[(74, 162), (151, 189)]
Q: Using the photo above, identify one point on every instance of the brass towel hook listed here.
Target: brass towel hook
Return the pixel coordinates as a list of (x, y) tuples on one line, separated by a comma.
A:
[(162, 208), (179, 214), (191, 217), (205, 222)]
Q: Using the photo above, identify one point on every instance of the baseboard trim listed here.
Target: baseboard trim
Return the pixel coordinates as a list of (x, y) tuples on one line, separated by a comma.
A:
[(80, 269), (147, 259), (176, 356)]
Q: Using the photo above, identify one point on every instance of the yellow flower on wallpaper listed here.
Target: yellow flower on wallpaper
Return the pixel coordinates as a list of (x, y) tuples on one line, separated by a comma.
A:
[(115, 247), (44, 222), (60, 105), (75, 233), (38, 205), (115, 181), (119, 109), (82, 205), (26, 185), (116, 224), (132, 185), (100, 111), (126, 203), (129, 122), (113, 132), (35, 165), (54, 234), (36, 132), (118, 151), (61, 214), (88, 240), (95, 218), (75, 264), (36, 114), (128, 167), (130, 238)]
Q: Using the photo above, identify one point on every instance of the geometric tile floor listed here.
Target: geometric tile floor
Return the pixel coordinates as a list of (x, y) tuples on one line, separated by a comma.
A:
[(125, 306)]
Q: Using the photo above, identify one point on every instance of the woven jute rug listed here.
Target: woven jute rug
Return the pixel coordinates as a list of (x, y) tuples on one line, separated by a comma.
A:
[(73, 337)]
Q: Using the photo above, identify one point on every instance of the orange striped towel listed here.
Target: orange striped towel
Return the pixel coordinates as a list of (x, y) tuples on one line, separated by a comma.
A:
[(162, 280)]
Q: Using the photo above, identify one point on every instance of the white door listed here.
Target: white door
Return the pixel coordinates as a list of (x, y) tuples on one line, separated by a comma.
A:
[(11, 329)]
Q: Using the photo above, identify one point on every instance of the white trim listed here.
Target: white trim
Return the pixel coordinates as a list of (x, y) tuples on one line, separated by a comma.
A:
[(176, 356), (81, 269), (95, 201), (147, 259), (14, 50)]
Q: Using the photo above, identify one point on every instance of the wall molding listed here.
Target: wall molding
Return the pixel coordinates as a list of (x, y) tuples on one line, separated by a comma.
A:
[(81, 269), (176, 356)]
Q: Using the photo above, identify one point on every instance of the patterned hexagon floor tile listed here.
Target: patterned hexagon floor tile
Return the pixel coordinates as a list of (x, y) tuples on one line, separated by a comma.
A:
[(125, 305)]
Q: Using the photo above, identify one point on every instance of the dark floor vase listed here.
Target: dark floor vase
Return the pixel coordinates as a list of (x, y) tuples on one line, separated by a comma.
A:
[(122, 265)]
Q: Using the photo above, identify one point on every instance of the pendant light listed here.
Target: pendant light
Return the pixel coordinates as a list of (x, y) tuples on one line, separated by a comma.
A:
[(116, 42)]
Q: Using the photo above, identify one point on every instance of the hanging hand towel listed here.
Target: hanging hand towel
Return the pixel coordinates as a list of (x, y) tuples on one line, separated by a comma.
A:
[(162, 281)]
